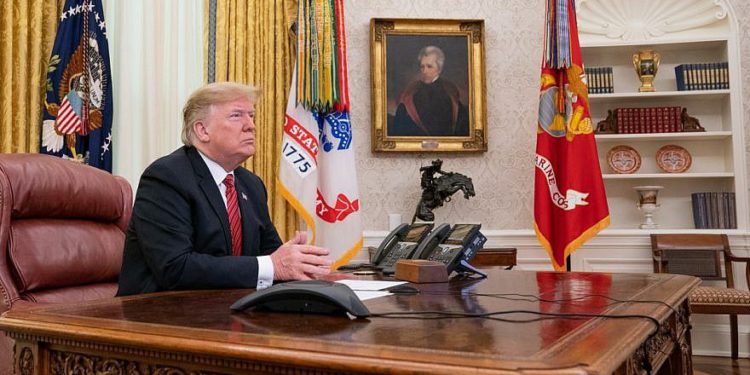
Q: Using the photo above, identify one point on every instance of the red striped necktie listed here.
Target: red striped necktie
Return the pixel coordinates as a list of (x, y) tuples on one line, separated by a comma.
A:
[(233, 210)]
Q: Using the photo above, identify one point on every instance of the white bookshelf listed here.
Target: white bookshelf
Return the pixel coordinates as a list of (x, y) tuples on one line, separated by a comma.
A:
[(683, 136), (609, 38), (639, 96), (673, 176)]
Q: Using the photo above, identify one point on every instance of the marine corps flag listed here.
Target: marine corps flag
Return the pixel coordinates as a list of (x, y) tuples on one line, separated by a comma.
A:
[(78, 105), (317, 171), (570, 205)]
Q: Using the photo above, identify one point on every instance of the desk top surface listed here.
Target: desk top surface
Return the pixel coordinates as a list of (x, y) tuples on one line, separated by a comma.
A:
[(200, 322)]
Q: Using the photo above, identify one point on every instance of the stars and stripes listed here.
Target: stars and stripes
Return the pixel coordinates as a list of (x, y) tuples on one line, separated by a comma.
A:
[(68, 118)]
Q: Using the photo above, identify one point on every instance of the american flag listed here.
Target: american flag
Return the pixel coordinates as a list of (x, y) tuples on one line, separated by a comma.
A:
[(68, 119)]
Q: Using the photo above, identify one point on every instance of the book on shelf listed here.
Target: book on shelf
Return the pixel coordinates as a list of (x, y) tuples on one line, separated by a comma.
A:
[(599, 80), (702, 76), (648, 120), (714, 210)]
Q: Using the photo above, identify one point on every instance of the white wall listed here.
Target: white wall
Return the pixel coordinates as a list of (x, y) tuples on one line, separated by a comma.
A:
[(503, 175)]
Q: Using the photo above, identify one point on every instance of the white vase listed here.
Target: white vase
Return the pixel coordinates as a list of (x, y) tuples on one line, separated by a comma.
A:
[(647, 204)]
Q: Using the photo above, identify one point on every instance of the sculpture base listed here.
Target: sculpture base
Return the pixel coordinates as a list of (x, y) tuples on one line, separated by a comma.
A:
[(421, 271)]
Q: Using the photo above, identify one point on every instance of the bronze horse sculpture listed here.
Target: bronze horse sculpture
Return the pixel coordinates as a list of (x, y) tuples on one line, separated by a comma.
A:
[(435, 191)]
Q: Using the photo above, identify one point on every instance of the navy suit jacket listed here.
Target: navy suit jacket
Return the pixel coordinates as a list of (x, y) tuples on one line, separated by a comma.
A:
[(179, 236)]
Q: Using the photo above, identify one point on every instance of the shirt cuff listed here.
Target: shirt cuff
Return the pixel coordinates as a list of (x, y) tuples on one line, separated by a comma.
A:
[(265, 272)]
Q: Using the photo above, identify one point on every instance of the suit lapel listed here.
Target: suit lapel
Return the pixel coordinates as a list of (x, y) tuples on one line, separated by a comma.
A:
[(249, 221), (212, 193)]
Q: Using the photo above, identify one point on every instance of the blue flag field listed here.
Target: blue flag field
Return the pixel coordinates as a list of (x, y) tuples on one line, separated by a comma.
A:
[(77, 115)]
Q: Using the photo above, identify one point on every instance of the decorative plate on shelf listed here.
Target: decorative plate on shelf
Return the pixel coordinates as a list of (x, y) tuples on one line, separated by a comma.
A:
[(673, 159), (624, 159)]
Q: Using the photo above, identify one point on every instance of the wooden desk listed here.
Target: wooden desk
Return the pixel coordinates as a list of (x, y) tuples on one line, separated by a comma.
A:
[(194, 332)]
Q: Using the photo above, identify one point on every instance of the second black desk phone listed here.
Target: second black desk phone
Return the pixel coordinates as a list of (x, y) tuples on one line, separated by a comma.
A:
[(454, 246)]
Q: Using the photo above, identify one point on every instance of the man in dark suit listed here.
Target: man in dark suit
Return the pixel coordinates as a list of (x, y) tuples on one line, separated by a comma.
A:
[(200, 220)]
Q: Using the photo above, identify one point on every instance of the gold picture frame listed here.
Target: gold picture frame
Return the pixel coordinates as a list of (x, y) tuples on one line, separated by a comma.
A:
[(411, 112)]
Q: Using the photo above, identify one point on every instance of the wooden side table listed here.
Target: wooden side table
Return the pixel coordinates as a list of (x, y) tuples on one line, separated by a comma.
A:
[(496, 257)]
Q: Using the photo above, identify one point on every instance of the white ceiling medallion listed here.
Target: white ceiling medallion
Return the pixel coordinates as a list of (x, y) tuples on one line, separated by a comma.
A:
[(646, 19)]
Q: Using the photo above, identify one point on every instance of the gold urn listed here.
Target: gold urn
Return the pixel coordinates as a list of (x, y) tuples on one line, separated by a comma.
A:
[(646, 64)]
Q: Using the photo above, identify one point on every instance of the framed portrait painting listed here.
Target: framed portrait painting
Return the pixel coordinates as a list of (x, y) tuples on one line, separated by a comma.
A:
[(428, 85)]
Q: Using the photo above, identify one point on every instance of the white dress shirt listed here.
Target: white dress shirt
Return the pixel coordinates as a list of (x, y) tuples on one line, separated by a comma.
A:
[(265, 265)]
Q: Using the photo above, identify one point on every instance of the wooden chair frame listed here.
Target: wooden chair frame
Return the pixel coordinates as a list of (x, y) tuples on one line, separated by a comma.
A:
[(661, 244)]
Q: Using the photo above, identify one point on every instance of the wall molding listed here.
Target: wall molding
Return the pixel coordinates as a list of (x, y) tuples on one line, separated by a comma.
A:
[(639, 20)]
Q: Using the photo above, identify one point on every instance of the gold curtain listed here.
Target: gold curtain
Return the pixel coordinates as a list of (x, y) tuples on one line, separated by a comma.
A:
[(252, 44), (27, 33)]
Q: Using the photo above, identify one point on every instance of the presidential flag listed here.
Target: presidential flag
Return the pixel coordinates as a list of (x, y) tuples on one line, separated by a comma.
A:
[(317, 171), (77, 115), (570, 205)]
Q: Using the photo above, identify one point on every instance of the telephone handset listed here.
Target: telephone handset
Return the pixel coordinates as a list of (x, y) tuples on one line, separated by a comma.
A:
[(455, 247), (399, 244)]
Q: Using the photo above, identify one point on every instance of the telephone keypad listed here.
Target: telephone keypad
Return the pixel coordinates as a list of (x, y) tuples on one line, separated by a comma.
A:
[(445, 253), (400, 251)]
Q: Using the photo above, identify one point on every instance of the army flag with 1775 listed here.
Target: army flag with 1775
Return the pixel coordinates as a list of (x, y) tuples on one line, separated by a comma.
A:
[(570, 205), (77, 116), (317, 170)]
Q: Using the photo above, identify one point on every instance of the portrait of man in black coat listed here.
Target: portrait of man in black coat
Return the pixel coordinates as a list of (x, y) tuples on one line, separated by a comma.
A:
[(430, 105)]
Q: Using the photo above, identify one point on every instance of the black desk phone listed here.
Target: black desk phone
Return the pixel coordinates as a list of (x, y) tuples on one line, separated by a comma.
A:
[(399, 244), (455, 246)]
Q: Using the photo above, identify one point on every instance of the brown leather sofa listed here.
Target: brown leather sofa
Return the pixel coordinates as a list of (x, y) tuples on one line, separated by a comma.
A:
[(62, 229)]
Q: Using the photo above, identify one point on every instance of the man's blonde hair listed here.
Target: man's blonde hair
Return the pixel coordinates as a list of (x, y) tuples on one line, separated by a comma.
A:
[(198, 106)]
